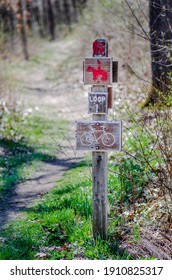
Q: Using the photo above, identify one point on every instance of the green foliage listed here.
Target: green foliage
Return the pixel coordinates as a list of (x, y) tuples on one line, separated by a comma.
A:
[(150, 145), (126, 181), (24, 144), (3, 40), (132, 179), (12, 126), (60, 226), (136, 234)]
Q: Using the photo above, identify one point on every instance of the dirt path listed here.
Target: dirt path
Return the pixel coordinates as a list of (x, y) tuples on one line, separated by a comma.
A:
[(54, 85)]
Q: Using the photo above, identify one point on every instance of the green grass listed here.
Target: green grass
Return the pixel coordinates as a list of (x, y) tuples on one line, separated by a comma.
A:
[(60, 225), (25, 143)]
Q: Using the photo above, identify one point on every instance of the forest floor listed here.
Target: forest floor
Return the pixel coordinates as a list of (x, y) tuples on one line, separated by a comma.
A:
[(50, 85)]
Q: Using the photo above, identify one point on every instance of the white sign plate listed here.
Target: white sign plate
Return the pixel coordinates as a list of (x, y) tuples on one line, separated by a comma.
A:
[(97, 102), (99, 135)]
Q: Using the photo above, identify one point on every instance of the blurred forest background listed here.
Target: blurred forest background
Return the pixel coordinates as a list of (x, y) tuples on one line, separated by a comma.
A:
[(42, 45), (45, 17)]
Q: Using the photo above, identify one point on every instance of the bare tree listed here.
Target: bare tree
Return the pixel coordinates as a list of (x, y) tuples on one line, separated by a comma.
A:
[(42, 15), (51, 21), (21, 28), (160, 14)]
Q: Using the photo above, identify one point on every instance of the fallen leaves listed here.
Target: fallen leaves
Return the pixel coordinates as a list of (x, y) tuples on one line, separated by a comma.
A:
[(42, 256), (45, 251), (154, 229)]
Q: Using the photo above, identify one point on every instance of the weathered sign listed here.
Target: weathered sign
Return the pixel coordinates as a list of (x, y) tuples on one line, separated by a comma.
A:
[(115, 71), (97, 102), (110, 97), (98, 71), (100, 47), (98, 135)]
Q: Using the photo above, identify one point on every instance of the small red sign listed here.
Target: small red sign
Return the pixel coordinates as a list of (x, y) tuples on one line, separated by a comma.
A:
[(100, 47)]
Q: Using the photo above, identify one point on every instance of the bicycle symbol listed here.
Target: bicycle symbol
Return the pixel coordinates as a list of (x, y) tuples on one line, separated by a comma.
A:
[(94, 136)]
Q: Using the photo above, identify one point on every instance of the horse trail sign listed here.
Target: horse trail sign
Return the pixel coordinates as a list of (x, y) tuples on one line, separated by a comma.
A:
[(98, 71)]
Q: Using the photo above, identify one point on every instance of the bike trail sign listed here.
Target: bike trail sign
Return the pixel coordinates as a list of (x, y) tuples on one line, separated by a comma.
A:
[(98, 135)]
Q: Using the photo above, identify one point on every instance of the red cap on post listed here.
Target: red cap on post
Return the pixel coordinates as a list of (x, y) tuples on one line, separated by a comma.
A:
[(100, 47)]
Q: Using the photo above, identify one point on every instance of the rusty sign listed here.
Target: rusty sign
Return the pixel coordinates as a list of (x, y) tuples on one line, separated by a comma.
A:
[(100, 47), (98, 71), (115, 71), (98, 135), (97, 102)]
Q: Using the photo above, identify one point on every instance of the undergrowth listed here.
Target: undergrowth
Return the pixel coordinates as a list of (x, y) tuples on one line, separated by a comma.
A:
[(60, 226), (26, 141)]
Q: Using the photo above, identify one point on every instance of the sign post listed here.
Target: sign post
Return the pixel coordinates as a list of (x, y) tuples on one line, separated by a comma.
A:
[(99, 135)]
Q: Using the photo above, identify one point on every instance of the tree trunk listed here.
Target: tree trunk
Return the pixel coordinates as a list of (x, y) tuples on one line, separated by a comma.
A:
[(21, 28), (160, 12), (75, 15), (58, 11), (67, 12), (51, 22), (12, 28), (45, 19), (29, 13), (37, 17)]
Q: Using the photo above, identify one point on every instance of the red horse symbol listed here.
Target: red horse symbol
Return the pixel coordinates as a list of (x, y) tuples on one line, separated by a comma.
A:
[(98, 72)]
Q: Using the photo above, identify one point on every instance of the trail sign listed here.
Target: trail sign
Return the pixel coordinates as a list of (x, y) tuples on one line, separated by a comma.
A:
[(100, 47), (98, 135), (98, 71), (97, 102)]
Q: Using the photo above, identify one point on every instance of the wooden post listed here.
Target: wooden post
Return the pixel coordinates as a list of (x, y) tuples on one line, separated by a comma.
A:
[(99, 135), (99, 163), (99, 185), (99, 194)]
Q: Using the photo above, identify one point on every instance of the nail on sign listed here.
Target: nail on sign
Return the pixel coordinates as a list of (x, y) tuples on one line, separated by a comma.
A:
[(98, 135), (98, 71), (97, 102)]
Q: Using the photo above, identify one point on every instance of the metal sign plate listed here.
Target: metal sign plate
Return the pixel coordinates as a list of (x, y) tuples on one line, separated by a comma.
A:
[(98, 71), (98, 135), (97, 102), (100, 47)]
